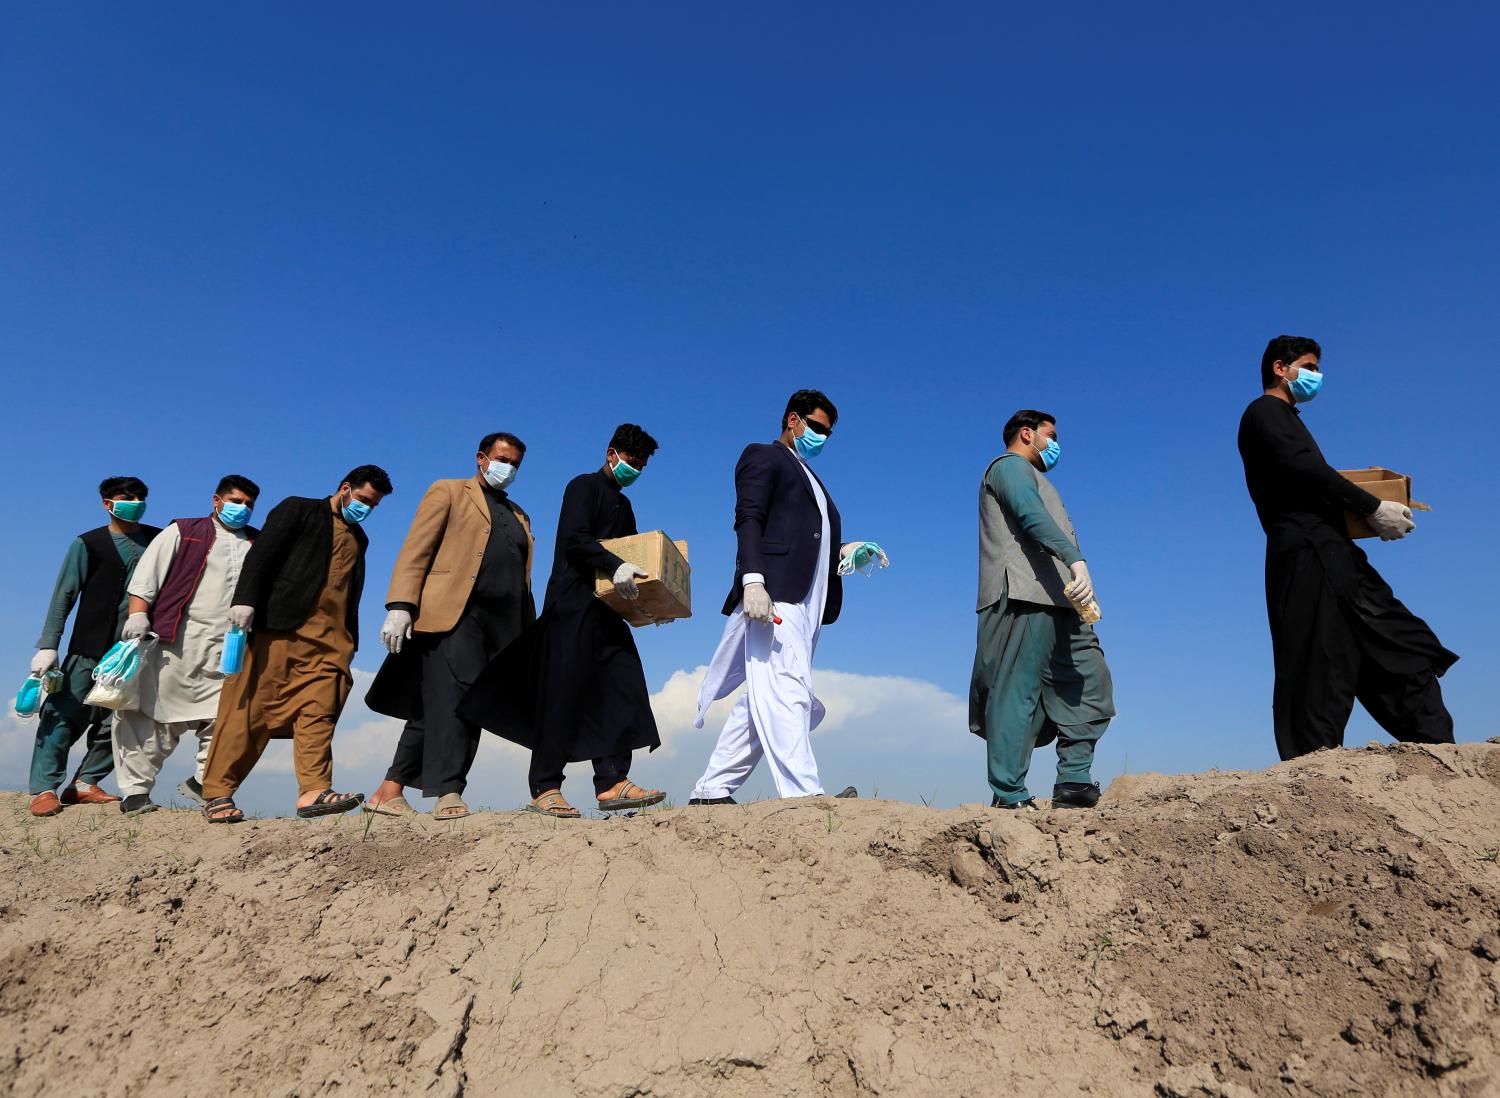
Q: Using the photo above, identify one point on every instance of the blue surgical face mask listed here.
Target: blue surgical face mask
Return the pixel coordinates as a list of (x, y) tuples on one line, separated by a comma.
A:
[(234, 516), (1048, 453), (356, 510), (499, 474), (128, 510), (1306, 384), (625, 473), (809, 442)]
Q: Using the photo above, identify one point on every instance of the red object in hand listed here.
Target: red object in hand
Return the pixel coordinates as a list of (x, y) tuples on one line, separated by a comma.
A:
[(776, 621)]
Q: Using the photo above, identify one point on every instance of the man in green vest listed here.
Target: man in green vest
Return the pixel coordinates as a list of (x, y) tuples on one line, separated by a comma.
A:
[(94, 574), (1039, 673)]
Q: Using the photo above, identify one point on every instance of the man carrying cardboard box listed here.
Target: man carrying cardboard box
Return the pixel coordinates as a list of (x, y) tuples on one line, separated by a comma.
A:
[(1337, 630), (572, 687), (786, 588)]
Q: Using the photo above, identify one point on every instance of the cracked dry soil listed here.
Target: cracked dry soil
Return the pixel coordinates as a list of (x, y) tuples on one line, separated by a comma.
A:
[(1328, 927)]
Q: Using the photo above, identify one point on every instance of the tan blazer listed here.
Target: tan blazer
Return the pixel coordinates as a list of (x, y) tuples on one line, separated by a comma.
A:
[(440, 558)]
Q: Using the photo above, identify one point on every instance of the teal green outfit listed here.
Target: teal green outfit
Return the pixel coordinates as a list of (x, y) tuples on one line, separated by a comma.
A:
[(65, 718), (1039, 671)]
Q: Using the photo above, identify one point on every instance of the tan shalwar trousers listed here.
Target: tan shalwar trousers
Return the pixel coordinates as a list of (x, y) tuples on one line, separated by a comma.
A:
[(293, 686)]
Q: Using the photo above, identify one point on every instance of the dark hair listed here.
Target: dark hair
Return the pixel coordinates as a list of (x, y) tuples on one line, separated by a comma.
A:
[(805, 401), (1026, 417), (234, 481), (110, 487), (373, 475), (1285, 350), (632, 440), (500, 436)]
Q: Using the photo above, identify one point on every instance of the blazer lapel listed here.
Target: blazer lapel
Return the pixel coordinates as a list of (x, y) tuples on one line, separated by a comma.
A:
[(476, 496), (802, 471)]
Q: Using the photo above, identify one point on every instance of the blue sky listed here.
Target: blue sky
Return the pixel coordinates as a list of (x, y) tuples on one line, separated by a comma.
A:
[(287, 240)]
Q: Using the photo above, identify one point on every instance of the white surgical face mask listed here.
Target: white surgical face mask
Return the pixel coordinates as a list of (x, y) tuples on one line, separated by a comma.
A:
[(498, 474)]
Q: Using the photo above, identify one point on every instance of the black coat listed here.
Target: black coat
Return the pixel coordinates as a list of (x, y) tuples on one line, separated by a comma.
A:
[(779, 529), (286, 568), (575, 676)]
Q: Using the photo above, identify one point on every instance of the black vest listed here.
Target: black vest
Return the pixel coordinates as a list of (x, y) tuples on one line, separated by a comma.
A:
[(97, 626)]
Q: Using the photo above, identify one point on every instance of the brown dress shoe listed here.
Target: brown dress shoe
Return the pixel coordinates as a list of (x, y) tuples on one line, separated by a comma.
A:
[(87, 794), (45, 804)]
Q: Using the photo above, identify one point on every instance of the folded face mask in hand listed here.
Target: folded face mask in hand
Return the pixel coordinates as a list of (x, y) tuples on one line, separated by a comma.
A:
[(33, 693), (865, 558)]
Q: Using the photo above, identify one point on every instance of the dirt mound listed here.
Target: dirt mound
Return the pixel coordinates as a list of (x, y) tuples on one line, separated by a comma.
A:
[(1329, 927)]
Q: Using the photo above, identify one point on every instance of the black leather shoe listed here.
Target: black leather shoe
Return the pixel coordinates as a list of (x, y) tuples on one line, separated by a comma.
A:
[(1029, 802), (713, 800), (849, 794), (137, 804), (1075, 795)]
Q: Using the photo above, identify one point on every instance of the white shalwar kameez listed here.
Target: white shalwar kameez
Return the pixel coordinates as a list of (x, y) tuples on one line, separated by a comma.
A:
[(180, 682), (775, 716)]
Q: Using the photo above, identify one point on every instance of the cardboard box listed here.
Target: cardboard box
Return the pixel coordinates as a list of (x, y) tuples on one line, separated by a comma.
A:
[(666, 593), (1383, 484)]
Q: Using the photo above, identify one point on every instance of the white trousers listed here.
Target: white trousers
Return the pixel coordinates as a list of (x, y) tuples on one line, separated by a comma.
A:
[(142, 747), (775, 716)]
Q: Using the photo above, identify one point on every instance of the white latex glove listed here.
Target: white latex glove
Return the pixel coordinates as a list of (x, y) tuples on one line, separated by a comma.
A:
[(625, 580), (44, 661), (136, 627), (1391, 520), (396, 631), (242, 617), (1081, 590), (758, 605)]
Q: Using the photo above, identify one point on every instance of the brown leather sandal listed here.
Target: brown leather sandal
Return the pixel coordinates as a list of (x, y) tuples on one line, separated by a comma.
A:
[(628, 795), (552, 803)]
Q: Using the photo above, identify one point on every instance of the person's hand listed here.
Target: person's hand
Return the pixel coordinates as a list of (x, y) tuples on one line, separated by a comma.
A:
[(758, 605), (136, 627), (44, 661), (1081, 589), (396, 631), (1391, 520), (625, 576), (241, 617)]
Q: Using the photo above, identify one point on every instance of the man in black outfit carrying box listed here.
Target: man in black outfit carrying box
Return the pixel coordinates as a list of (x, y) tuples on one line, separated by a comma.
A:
[(1337, 630)]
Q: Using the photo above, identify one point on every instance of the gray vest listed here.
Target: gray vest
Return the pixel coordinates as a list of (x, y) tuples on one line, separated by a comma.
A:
[(1010, 563)]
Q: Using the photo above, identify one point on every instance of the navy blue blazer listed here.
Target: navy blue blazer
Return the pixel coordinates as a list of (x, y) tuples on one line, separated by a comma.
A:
[(780, 531)]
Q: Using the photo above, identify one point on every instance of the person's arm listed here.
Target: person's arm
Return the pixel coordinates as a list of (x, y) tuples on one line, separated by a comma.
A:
[(1286, 445), (151, 571), (70, 577), (418, 550), (575, 529), (1014, 485), (753, 485), (267, 554)]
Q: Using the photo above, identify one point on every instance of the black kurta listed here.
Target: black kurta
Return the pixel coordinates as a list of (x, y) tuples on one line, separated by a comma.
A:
[(1338, 632), (425, 682), (572, 687)]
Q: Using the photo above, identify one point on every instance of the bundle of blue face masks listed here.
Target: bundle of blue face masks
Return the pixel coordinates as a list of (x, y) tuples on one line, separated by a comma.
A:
[(865, 558), (117, 676), (233, 660), (33, 693)]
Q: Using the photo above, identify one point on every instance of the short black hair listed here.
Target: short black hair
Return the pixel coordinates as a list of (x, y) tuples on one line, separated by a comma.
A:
[(804, 401), (1285, 350), (500, 436), (1026, 417), (110, 487), (373, 475), (633, 440), (234, 481)]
